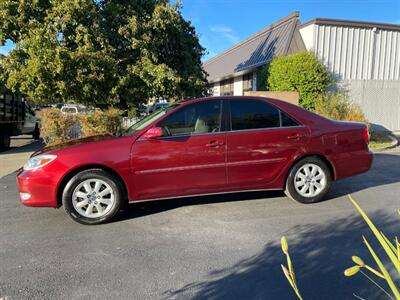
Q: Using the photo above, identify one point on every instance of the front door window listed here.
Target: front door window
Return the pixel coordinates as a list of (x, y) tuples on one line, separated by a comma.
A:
[(200, 117)]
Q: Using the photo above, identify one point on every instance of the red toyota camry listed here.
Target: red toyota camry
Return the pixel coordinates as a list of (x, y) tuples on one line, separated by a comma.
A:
[(197, 147)]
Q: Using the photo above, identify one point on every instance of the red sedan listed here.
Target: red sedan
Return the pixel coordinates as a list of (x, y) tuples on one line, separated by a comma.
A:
[(197, 147)]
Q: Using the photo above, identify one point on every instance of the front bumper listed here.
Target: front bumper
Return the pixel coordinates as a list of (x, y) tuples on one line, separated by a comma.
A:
[(37, 188)]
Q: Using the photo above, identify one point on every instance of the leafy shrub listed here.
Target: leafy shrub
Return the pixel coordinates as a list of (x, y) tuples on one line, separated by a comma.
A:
[(55, 127), (337, 106), (301, 72), (100, 122), (132, 112)]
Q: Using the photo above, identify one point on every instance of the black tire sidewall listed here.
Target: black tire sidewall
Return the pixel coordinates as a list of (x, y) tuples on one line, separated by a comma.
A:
[(82, 176), (290, 188)]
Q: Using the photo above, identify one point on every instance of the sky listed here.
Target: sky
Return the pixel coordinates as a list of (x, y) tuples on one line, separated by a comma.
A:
[(221, 24)]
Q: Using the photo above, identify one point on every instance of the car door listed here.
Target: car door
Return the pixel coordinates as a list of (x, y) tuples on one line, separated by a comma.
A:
[(262, 141), (190, 157)]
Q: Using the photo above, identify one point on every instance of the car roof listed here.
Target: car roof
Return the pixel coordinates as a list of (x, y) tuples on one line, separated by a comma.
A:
[(299, 113), (271, 100)]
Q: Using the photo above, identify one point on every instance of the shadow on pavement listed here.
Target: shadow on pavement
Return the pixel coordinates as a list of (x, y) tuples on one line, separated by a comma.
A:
[(31, 147), (141, 209), (320, 255)]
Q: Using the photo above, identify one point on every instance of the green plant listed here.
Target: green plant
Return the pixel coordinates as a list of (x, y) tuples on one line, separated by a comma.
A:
[(100, 122), (301, 72), (262, 75), (392, 249), (289, 271), (96, 52), (132, 112), (55, 127), (337, 106)]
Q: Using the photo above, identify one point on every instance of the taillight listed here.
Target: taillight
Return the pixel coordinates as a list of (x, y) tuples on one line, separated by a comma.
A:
[(366, 135)]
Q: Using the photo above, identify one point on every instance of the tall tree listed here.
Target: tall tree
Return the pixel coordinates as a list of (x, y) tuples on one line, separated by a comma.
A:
[(100, 51)]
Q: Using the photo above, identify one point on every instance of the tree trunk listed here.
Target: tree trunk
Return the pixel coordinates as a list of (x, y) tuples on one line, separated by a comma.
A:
[(123, 105)]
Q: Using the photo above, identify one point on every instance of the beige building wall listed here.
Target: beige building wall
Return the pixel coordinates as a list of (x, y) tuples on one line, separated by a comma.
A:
[(291, 97)]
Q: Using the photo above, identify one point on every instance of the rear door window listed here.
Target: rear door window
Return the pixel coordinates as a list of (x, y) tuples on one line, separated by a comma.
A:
[(253, 114)]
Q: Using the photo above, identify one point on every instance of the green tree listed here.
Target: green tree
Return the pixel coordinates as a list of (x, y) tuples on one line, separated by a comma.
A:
[(100, 51), (301, 72)]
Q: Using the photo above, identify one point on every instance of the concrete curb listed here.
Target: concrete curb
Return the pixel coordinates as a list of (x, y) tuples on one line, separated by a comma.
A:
[(395, 143)]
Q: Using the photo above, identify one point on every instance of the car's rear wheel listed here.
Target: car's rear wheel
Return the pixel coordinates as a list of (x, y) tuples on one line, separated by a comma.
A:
[(92, 197), (309, 180)]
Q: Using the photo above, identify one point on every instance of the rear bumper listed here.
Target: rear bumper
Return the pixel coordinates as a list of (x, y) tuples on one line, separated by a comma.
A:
[(37, 188), (350, 164)]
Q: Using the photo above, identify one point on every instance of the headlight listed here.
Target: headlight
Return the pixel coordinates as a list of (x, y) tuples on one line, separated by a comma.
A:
[(39, 161)]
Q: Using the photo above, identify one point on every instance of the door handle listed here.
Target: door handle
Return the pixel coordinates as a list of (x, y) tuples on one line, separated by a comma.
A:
[(296, 136), (214, 144)]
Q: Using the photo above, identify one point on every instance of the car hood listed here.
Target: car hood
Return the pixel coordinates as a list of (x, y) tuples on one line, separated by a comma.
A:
[(76, 142)]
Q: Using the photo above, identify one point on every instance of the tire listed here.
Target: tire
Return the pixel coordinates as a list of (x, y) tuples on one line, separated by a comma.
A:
[(36, 133), (308, 186), (87, 206), (5, 140)]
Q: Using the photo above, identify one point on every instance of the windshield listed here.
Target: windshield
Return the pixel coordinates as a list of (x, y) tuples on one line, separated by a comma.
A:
[(147, 120), (69, 110)]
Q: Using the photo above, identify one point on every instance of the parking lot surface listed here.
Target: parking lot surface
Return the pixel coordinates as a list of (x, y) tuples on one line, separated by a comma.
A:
[(211, 247)]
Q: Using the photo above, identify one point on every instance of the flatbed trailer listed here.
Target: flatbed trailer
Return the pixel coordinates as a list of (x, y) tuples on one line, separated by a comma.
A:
[(16, 117)]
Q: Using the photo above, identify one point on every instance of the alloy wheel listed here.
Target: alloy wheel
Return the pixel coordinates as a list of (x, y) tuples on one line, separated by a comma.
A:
[(93, 198), (310, 180)]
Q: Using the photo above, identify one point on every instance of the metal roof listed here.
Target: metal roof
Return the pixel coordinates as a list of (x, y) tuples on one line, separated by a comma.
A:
[(255, 50), (347, 23)]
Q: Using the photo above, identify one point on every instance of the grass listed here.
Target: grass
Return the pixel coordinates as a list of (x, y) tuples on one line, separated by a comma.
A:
[(379, 140)]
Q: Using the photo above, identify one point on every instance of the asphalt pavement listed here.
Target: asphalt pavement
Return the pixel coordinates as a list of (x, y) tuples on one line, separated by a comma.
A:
[(212, 247), (21, 148)]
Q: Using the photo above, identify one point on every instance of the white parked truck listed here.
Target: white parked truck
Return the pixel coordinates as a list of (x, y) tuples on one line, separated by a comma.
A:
[(16, 117)]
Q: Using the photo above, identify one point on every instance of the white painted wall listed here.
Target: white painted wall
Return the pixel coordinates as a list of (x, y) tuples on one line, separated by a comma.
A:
[(355, 53), (366, 63), (307, 33), (238, 86), (379, 100), (216, 90)]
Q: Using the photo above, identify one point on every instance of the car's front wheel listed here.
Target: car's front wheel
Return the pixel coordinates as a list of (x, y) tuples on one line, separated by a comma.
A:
[(92, 197), (309, 180)]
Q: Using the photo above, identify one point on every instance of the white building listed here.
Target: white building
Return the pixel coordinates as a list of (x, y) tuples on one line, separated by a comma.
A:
[(363, 56)]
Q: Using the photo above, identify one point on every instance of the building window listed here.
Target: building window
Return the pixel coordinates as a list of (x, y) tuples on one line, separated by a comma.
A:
[(227, 87), (248, 82)]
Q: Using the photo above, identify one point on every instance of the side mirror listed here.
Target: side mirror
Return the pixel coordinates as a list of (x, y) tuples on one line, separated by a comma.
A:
[(153, 133)]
